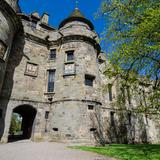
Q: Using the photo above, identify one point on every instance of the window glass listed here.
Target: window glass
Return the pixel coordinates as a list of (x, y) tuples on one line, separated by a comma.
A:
[(52, 55), (110, 91), (89, 80), (33, 25), (70, 55), (46, 114), (51, 77)]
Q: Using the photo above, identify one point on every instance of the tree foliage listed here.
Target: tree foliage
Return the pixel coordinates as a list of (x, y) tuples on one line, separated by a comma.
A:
[(134, 28), (15, 124)]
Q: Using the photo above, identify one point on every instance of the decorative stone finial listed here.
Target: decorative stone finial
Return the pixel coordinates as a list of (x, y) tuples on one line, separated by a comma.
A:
[(76, 5)]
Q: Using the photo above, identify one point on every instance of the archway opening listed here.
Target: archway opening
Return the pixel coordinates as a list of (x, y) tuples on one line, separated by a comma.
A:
[(22, 123)]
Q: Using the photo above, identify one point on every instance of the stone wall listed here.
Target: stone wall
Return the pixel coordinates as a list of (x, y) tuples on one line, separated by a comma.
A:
[(9, 23)]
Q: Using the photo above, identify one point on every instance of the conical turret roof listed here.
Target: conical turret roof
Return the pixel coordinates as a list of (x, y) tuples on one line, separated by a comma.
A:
[(76, 15)]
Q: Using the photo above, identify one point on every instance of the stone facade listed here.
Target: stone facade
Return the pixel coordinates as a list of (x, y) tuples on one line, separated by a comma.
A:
[(58, 75)]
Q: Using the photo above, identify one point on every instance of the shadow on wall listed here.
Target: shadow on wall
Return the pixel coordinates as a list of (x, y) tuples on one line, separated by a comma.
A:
[(121, 126), (119, 129), (16, 55)]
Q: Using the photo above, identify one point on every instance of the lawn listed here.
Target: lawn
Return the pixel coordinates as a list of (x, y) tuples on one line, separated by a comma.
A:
[(127, 151)]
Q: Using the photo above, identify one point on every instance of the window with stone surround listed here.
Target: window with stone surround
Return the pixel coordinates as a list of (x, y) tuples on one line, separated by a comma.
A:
[(33, 24), (70, 55), (129, 116), (90, 107), (89, 79), (46, 114), (110, 92), (31, 69), (112, 117), (3, 49), (52, 55), (51, 79)]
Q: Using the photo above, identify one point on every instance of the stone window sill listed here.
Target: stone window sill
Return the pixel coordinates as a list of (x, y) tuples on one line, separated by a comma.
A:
[(69, 74), (49, 93), (68, 62)]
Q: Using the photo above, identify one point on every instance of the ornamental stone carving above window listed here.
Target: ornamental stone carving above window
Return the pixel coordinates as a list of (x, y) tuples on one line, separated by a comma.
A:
[(69, 69), (3, 49), (31, 69)]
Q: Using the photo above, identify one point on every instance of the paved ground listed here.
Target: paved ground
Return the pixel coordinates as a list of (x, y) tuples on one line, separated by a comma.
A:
[(25, 150)]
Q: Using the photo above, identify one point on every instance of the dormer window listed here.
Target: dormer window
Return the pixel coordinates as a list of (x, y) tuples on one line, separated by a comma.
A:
[(33, 24), (52, 55), (69, 55)]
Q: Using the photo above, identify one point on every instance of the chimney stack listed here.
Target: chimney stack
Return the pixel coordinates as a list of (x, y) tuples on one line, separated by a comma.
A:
[(45, 18)]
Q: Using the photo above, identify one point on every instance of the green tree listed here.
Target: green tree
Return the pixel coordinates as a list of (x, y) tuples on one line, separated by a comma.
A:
[(15, 124), (134, 29)]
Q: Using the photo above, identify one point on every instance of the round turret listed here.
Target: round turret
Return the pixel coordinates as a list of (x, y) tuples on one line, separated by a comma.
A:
[(77, 80), (77, 24)]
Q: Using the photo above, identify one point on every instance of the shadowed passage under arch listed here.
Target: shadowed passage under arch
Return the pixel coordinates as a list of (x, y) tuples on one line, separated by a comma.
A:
[(27, 114)]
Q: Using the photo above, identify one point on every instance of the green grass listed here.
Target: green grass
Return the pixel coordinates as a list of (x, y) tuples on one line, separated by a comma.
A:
[(127, 151)]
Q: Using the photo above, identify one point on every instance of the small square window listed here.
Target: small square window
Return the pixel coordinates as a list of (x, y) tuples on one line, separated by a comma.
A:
[(46, 114), (70, 55), (89, 80), (1, 111), (90, 107), (52, 55)]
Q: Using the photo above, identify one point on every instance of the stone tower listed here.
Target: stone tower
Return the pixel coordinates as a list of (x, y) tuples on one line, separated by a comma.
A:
[(53, 79), (77, 80), (9, 24)]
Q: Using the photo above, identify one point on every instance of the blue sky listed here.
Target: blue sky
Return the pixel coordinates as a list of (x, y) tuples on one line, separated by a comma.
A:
[(60, 9)]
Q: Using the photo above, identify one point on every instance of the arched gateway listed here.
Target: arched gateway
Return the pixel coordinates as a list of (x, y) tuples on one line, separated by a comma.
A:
[(28, 114)]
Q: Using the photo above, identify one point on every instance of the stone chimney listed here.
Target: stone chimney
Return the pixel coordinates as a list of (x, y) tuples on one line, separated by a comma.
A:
[(35, 14), (45, 18)]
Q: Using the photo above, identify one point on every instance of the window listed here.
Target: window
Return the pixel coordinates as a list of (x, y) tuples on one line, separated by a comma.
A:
[(70, 55), (3, 49), (112, 117), (46, 114), (1, 111), (51, 77), (89, 80), (129, 118), (110, 91), (33, 24), (93, 129), (55, 129), (90, 107), (52, 55), (128, 95)]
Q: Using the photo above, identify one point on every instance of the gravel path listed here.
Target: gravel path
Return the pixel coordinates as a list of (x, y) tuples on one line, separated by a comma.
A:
[(25, 150)]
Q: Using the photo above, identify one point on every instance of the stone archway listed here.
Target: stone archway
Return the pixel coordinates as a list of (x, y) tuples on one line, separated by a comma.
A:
[(28, 114)]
